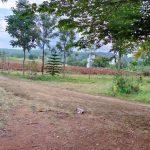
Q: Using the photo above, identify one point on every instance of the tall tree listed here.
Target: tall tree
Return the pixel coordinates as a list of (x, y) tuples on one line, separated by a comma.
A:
[(120, 26), (100, 21), (65, 44), (46, 24), (22, 28)]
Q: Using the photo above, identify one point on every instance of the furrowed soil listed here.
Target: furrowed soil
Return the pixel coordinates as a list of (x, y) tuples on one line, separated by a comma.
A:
[(42, 116)]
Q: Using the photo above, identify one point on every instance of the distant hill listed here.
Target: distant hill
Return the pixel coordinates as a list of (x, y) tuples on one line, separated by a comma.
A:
[(78, 56), (84, 55), (18, 53)]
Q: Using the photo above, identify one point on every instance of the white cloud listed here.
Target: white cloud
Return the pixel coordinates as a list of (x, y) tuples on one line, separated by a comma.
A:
[(3, 25), (7, 5), (12, 3), (5, 40), (4, 36), (106, 47)]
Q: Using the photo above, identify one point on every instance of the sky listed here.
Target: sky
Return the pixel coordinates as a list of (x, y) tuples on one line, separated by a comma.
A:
[(5, 10)]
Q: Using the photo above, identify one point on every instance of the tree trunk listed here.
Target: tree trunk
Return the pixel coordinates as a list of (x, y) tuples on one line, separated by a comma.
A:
[(24, 58), (119, 61), (64, 65), (43, 59), (89, 73)]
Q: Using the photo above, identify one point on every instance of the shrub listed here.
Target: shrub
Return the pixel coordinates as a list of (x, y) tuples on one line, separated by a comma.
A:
[(101, 62), (32, 66), (53, 65), (146, 73), (125, 85)]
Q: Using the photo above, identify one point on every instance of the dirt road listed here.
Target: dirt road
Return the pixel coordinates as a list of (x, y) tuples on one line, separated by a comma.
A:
[(41, 116)]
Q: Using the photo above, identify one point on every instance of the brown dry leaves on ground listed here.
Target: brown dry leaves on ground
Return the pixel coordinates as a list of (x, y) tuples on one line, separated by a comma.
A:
[(41, 116)]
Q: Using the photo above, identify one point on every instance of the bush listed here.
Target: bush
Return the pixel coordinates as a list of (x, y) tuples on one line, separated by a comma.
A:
[(73, 62), (101, 62), (125, 85), (146, 73), (31, 66)]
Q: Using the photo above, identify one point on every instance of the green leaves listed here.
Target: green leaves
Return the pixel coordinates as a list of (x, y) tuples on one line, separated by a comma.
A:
[(67, 24), (66, 40), (53, 65), (99, 22), (21, 26)]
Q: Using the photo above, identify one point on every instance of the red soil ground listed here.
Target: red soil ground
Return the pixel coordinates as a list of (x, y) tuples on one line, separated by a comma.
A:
[(44, 119)]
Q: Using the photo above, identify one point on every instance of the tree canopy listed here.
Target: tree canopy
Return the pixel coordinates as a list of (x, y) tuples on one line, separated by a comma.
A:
[(22, 29), (125, 23)]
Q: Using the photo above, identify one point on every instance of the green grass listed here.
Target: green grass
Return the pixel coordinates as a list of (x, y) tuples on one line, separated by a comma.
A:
[(19, 60), (15, 59), (49, 78), (98, 84)]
